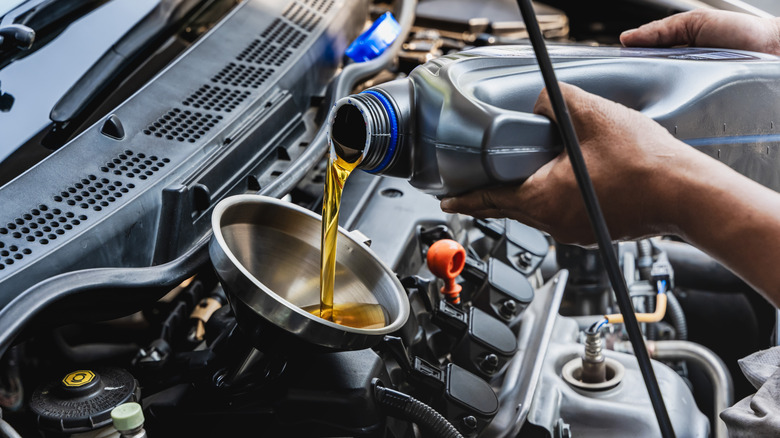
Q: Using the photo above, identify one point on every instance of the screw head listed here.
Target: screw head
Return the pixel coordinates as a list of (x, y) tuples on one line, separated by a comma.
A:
[(508, 309), (489, 364), (469, 422)]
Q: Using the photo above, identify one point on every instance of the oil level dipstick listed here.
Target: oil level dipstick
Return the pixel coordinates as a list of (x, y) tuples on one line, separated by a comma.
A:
[(446, 259)]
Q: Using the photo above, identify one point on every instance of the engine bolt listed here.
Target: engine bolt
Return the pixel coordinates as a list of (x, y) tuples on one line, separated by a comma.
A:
[(489, 364), (508, 309), (469, 422)]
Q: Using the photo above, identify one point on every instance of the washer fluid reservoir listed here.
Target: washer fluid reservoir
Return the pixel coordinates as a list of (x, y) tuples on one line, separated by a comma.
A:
[(465, 121)]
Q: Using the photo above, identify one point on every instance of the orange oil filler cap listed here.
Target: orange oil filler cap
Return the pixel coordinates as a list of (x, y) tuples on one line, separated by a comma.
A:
[(446, 259)]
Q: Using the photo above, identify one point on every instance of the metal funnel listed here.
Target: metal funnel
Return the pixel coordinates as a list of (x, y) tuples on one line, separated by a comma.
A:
[(267, 255)]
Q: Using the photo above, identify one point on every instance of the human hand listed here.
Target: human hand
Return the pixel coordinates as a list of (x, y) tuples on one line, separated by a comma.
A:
[(708, 28), (629, 158)]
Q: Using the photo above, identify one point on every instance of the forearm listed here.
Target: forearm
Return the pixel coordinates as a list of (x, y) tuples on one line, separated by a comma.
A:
[(734, 219)]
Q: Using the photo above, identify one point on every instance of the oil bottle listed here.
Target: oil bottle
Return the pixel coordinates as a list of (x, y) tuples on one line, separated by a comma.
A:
[(465, 121)]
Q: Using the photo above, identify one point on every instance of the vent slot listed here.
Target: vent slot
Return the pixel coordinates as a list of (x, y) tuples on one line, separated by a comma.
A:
[(10, 254), (321, 6), (240, 75), (211, 98), (264, 53), (276, 42), (182, 125), (130, 165), (40, 225), (308, 13)]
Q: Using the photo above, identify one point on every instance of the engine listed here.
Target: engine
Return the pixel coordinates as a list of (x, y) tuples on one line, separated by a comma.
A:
[(111, 292)]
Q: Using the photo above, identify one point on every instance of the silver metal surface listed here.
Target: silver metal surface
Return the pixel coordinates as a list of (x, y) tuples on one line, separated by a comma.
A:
[(267, 254), (624, 410), (572, 374), (712, 365), (518, 388)]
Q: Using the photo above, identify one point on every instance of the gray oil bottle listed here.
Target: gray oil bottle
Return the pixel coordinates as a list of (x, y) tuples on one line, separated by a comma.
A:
[(465, 121)]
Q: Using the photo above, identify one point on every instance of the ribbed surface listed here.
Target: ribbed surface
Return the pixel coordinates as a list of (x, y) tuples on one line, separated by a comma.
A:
[(593, 347), (409, 408)]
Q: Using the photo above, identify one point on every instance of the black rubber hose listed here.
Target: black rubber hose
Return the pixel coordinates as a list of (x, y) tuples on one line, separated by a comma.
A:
[(597, 221), (677, 316), (406, 407), (644, 258), (36, 298)]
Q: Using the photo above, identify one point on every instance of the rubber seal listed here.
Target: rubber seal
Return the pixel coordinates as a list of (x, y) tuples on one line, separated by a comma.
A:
[(393, 130)]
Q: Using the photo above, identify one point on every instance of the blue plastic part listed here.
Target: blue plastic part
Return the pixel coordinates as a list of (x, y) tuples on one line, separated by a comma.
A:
[(375, 40), (393, 130)]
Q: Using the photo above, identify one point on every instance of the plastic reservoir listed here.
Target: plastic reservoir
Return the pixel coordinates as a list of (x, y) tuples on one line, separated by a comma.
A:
[(465, 121)]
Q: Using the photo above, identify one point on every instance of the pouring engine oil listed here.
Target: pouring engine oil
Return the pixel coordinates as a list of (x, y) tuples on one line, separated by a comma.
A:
[(466, 121), (358, 315), (338, 170)]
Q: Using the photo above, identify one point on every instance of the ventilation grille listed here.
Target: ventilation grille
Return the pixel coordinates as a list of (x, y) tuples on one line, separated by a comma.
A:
[(303, 17), (212, 98), (130, 165), (277, 41), (283, 34), (182, 125), (251, 68), (240, 75), (264, 53), (41, 224), (45, 223), (307, 14)]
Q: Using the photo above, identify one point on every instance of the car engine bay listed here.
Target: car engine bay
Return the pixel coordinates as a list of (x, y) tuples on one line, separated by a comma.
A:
[(111, 292)]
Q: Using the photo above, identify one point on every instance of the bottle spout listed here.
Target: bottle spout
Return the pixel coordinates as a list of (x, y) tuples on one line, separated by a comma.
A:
[(348, 132), (365, 127)]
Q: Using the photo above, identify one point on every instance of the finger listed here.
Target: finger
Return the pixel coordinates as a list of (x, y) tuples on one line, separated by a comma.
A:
[(581, 105), (496, 213), (576, 99), (679, 29), (477, 200)]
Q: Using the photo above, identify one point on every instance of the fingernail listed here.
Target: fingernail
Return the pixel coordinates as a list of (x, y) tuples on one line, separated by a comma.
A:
[(446, 205), (627, 33)]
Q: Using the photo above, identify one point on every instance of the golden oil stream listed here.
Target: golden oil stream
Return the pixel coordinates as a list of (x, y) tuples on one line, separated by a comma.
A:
[(358, 315)]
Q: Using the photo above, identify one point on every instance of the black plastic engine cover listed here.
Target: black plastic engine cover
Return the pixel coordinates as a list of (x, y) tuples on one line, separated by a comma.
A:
[(225, 118)]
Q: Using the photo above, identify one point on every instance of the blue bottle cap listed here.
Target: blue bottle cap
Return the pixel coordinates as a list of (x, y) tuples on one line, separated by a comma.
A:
[(375, 40)]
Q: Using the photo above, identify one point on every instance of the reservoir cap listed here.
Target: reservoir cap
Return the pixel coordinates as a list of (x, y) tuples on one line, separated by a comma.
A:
[(82, 400), (375, 40)]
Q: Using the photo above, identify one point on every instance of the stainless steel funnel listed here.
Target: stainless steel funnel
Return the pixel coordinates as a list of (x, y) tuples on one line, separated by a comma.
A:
[(267, 255)]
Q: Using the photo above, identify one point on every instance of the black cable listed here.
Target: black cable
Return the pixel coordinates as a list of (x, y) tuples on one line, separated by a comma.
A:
[(409, 408), (677, 316), (570, 142)]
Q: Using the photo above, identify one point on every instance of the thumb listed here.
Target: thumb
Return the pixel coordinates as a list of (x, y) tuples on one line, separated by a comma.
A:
[(543, 105), (679, 29), (577, 101)]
